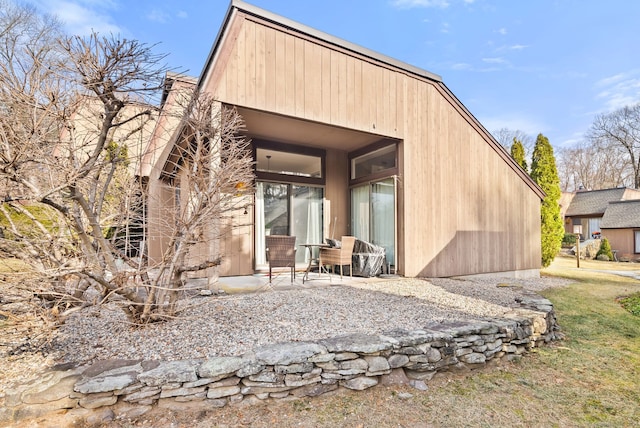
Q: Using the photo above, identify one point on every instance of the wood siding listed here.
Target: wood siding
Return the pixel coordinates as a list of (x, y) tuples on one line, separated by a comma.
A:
[(336, 195), (269, 69), (463, 209), (623, 241)]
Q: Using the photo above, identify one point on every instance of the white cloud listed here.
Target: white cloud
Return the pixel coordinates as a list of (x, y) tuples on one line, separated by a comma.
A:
[(157, 15), (182, 14), (515, 47), (497, 60), (570, 141), (82, 17), (617, 91), (442, 4), (461, 66), (502, 31)]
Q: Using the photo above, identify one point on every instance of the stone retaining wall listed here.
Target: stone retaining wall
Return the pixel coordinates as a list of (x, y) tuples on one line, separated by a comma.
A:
[(125, 388)]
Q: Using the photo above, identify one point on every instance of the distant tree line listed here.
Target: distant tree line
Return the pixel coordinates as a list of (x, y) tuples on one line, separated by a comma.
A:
[(608, 157)]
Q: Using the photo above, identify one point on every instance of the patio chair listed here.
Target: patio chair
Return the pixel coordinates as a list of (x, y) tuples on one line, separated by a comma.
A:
[(339, 256), (281, 252)]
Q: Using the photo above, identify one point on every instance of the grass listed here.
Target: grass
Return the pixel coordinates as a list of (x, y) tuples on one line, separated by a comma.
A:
[(631, 303), (592, 378)]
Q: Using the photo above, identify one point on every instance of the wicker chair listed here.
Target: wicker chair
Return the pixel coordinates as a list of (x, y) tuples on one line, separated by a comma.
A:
[(281, 252), (339, 256)]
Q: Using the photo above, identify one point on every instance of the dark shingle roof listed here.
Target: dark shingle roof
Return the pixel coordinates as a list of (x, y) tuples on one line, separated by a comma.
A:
[(593, 202), (622, 214)]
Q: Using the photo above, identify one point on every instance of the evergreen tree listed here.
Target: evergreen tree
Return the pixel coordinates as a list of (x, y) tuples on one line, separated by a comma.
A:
[(545, 173), (517, 153), (605, 249)]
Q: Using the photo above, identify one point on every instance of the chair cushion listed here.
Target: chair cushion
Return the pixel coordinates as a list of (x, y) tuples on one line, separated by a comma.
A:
[(333, 243)]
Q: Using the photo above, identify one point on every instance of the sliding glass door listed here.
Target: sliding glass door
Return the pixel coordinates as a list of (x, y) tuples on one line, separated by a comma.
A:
[(288, 209), (373, 215)]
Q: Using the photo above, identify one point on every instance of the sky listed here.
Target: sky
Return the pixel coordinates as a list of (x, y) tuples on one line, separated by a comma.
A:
[(535, 66)]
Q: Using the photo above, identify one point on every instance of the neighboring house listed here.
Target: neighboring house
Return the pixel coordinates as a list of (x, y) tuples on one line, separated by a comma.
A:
[(621, 226), (351, 142), (586, 208), (138, 121)]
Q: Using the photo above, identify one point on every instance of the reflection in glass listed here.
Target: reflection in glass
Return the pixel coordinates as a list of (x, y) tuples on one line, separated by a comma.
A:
[(288, 209), (288, 163)]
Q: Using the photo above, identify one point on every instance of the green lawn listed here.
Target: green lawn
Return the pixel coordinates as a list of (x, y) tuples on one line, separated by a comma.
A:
[(592, 378)]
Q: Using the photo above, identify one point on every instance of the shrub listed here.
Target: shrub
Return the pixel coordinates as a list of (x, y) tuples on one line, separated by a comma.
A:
[(631, 304), (605, 249), (569, 240)]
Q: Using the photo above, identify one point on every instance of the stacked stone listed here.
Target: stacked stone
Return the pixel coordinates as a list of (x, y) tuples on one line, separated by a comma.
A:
[(295, 369)]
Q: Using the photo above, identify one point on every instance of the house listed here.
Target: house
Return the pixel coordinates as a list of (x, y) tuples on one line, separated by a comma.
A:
[(347, 141), (587, 208), (621, 226)]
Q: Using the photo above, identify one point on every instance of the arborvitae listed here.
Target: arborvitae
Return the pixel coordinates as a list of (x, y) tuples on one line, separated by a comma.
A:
[(545, 173), (517, 153), (605, 248)]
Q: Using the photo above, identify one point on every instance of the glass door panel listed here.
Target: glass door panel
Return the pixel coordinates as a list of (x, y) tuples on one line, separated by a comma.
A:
[(373, 215), (307, 217), (276, 208), (288, 209), (360, 212), (383, 217)]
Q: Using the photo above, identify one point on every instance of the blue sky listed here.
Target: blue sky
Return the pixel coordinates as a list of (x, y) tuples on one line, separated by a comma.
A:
[(537, 66)]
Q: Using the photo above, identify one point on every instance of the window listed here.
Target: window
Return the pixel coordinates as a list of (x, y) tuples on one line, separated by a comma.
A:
[(637, 241), (288, 163), (288, 209), (374, 162), (373, 217), (594, 227)]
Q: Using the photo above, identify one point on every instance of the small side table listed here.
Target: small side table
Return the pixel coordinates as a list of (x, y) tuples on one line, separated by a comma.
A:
[(313, 259)]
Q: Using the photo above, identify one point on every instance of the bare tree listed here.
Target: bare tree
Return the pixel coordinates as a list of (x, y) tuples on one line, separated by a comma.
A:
[(591, 167), (619, 132), (71, 108), (215, 179), (506, 137)]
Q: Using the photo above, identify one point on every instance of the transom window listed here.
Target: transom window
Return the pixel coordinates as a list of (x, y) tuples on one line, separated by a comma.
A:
[(374, 162), (275, 161), (288, 163)]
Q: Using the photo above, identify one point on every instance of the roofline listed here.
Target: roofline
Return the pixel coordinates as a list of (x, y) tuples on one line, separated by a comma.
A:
[(587, 215), (497, 147), (239, 5), (170, 78), (626, 201)]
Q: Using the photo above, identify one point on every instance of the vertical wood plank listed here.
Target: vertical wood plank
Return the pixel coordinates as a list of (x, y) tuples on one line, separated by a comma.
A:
[(350, 91), (299, 76), (279, 77), (241, 71), (326, 82), (250, 64), (312, 81), (289, 75)]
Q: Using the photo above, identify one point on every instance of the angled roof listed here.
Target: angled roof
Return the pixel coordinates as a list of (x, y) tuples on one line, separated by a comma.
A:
[(621, 215), (594, 202), (239, 6), (298, 27)]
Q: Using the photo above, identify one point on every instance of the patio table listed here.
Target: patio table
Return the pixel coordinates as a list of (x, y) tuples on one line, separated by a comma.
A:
[(313, 259)]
